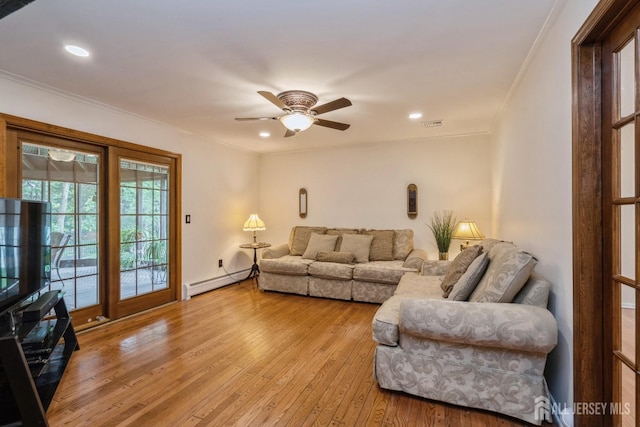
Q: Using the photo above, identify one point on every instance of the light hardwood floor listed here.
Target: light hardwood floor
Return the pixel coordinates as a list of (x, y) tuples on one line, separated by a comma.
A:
[(238, 356)]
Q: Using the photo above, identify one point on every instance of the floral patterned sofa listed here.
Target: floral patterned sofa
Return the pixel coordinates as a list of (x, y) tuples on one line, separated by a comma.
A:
[(483, 346), (340, 263)]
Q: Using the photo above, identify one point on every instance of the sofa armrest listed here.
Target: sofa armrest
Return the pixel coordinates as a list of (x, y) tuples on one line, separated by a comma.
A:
[(275, 251), (434, 267), (501, 325), (415, 259)]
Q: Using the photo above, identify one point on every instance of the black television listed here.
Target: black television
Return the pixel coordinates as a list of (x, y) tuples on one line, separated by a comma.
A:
[(25, 250)]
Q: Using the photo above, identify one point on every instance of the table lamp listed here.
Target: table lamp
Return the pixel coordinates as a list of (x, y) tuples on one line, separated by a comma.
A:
[(467, 230), (254, 223)]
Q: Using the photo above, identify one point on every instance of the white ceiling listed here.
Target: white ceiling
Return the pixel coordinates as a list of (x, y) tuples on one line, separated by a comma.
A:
[(197, 64)]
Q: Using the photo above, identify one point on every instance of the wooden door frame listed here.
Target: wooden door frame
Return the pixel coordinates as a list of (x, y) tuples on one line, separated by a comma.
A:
[(592, 308)]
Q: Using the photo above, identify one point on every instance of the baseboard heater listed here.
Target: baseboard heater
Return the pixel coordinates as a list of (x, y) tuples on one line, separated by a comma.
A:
[(191, 289)]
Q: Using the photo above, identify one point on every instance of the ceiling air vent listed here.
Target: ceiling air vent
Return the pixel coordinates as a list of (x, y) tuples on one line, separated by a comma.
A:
[(432, 123)]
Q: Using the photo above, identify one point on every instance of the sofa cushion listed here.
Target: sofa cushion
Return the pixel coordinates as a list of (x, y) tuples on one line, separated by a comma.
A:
[(457, 268), (470, 279), (340, 231), (330, 288), (288, 265), (534, 292), (339, 257), (388, 272), (331, 270), (508, 271), (488, 244), (411, 286), (402, 244), (299, 238), (319, 243), (357, 244), (381, 245)]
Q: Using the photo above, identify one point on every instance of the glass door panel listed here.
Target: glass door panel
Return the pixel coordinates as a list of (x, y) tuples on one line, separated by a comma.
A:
[(627, 392), (68, 180), (144, 228), (627, 79), (628, 323), (627, 160)]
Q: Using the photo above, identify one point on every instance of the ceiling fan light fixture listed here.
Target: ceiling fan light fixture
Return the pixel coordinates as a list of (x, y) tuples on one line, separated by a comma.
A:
[(297, 122)]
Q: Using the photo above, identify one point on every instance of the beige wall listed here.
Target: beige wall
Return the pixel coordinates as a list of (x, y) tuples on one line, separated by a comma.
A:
[(531, 147), (220, 186), (366, 186)]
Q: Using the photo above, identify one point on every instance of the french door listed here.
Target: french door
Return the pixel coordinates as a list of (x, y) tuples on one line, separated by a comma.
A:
[(621, 211), (143, 212), (115, 217), (69, 177)]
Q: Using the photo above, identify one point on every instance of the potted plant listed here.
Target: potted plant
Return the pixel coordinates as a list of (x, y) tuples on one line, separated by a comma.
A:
[(442, 225)]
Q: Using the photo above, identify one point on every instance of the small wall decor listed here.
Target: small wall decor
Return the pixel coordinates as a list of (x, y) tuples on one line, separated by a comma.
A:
[(302, 196), (412, 201)]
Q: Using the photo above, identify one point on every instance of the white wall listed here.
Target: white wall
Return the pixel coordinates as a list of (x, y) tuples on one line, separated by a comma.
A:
[(219, 184), (531, 147), (366, 186)]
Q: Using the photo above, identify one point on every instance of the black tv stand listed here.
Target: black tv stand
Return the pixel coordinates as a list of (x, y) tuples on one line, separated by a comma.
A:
[(33, 356)]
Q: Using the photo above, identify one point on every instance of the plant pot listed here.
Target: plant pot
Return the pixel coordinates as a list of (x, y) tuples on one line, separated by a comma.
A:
[(443, 256)]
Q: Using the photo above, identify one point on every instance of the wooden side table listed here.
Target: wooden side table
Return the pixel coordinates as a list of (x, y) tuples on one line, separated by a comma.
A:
[(255, 270)]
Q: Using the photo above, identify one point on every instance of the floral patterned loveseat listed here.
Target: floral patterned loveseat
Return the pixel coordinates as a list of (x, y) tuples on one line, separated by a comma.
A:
[(484, 346)]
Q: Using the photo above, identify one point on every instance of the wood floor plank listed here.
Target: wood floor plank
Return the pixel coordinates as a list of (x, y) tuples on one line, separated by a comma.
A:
[(238, 356)]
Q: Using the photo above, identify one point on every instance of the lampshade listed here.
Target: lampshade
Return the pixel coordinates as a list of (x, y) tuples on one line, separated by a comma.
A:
[(297, 121), (254, 223), (467, 230)]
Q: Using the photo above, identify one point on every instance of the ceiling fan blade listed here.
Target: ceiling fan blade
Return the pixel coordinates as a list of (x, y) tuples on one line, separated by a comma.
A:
[(332, 125), (289, 133), (330, 106), (274, 100), (244, 119)]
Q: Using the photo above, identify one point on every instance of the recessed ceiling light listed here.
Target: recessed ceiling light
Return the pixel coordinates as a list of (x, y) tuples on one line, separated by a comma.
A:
[(76, 50), (415, 115), (265, 134)]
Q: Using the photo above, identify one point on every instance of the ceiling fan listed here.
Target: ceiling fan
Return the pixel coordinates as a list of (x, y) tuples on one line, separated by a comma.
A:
[(300, 111)]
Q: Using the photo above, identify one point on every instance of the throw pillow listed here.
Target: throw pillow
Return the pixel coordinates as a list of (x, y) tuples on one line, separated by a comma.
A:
[(339, 257), (340, 232), (508, 271), (382, 245), (457, 268), (402, 244), (357, 244), (300, 236), (469, 280), (318, 243)]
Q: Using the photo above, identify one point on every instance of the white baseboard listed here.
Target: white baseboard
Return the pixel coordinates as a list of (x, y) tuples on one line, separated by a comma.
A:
[(628, 305), (191, 289)]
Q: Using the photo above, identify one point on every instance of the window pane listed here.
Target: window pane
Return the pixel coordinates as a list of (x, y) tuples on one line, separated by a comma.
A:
[(627, 80), (628, 322), (144, 228), (627, 407), (627, 157), (628, 241)]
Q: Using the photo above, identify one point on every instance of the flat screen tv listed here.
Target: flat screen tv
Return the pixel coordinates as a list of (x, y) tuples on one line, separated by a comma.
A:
[(25, 250)]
